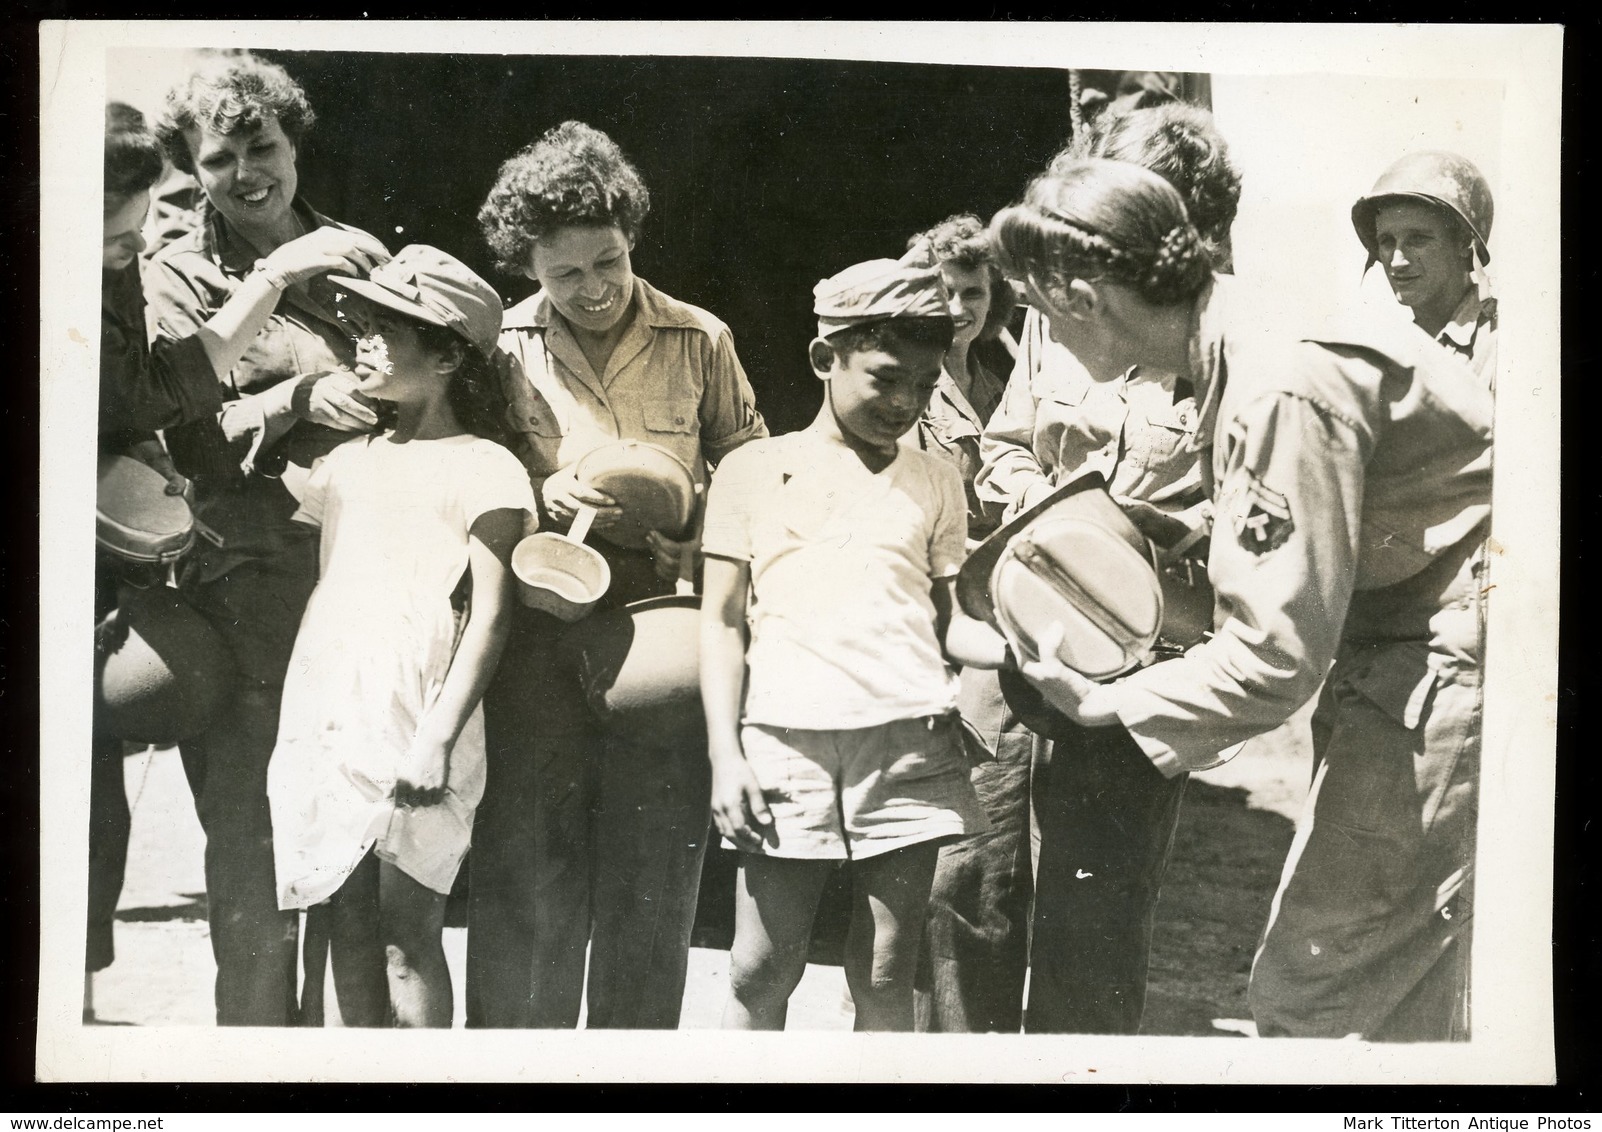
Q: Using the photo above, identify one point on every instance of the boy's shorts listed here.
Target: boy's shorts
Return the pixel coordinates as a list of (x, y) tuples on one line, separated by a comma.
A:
[(860, 792)]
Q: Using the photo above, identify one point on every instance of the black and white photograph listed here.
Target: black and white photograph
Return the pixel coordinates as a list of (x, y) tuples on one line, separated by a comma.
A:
[(998, 552)]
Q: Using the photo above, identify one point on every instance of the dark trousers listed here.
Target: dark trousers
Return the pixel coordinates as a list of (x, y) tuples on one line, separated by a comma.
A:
[(1371, 926), (109, 819), (584, 840), (976, 940), (1107, 823), (108, 847), (257, 609)]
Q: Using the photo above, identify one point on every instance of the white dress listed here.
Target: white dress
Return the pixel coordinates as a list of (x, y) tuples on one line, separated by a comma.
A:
[(374, 646)]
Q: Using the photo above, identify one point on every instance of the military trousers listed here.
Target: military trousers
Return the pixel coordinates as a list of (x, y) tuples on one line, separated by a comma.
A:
[(1370, 929)]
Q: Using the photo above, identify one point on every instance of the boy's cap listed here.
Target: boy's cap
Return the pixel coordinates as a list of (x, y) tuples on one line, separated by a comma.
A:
[(434, 287), (877, 290)]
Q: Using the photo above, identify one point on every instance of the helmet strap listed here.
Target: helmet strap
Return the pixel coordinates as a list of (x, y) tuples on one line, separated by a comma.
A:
[(1478, 274)]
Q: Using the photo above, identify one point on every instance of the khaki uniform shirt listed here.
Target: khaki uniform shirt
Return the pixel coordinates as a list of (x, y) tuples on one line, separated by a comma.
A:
[(674, 380), (1055, 422), (141, 389), (1471, 333), (240, 490), (951, 428), (1351, 473)]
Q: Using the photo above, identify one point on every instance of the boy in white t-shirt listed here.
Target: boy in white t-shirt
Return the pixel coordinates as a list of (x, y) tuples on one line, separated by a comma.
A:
[(839, 548)]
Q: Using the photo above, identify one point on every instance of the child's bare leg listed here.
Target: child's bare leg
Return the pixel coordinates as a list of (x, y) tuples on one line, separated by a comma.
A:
[(354, 949), (774, 902), (411, 921), (889, 900)]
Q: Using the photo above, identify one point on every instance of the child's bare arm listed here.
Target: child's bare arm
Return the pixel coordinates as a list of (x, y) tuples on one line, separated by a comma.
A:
[(737, 806), (423, 772), (968, 643)]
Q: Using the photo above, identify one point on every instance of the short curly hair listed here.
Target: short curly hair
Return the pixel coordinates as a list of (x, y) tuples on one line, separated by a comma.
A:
[(574, 175), (1181, 144), (230, 94), (964, 241), (133, 158)]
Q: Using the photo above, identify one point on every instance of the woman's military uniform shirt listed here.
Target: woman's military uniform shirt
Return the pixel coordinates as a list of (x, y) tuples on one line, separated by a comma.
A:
[(673, 380)]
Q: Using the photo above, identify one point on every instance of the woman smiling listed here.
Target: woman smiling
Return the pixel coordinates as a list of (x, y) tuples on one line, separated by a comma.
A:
[(585, 840)]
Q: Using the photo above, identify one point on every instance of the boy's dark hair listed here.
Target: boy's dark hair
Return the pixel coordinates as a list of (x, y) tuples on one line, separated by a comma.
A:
[(881, 334), (133, 158), (474, 393), (231, 94)]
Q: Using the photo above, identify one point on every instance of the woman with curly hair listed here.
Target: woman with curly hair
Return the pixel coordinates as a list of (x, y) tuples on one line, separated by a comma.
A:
[(587, 840), (1106, 819), (254, 272), (1351, 474)]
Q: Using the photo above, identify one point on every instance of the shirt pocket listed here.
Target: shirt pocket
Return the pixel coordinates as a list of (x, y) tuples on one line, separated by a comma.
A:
[(1158, 439), (1397, 679), (678, 415)]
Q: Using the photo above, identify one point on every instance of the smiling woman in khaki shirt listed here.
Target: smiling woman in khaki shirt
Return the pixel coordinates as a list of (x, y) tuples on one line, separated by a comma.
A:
[(587, 840)]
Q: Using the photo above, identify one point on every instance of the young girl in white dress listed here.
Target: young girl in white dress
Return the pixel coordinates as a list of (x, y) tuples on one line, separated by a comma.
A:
[(380, 756)]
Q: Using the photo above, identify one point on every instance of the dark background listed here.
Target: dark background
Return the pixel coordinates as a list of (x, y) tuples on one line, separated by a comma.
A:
[(765, 175)]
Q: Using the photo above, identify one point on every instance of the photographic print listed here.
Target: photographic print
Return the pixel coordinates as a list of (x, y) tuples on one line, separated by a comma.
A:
[(972, 545)]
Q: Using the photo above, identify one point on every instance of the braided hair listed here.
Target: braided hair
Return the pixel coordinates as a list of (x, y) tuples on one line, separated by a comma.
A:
[(1181, 144), (1105, 220)]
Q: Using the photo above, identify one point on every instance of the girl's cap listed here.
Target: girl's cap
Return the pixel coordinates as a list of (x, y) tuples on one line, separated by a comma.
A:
[(434, 287)]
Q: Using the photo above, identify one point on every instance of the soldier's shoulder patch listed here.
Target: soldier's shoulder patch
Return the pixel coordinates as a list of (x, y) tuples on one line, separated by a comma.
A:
[(1260, 516)]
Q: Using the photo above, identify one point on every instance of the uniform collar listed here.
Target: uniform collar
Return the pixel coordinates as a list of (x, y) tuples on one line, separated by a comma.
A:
[(1206, 348), (1465, 321), (223, 243), (654, 309)]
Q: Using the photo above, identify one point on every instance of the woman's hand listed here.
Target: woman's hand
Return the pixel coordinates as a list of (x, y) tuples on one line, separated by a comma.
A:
[(737, 806), (1161, 527), (564, 495), (1082, 700), (320, 251), (420, 779), (334, 399), (152, 455), (668, 555)]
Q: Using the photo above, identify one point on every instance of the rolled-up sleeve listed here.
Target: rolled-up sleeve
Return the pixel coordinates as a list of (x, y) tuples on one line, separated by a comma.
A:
[(729, 415), (1283, 560), (176, 309), (1009, 468)]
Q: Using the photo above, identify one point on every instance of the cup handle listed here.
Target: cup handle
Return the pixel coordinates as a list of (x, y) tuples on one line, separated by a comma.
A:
[(684, 584), (580, 528)]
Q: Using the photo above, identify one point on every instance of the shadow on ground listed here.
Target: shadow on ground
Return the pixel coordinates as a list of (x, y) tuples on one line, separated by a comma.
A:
[(1221, 880), (192, 908), (1215, 900)]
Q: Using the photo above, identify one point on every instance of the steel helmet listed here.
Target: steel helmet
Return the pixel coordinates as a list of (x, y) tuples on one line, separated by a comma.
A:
[(1439, 178)]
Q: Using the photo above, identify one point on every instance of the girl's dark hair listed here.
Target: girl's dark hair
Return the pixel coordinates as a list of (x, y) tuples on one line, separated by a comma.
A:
[(876, 335), (962, 240), (574, 175), (133, 158), (474, 393), (1181, 144), (1096, 219), (231, 94)]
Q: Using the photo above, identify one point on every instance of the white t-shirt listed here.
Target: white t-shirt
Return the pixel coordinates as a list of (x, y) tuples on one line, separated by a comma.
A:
[(842, 567)]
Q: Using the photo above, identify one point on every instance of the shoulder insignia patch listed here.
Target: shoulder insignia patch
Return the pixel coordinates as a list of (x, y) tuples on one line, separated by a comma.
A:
[(1261, 516)]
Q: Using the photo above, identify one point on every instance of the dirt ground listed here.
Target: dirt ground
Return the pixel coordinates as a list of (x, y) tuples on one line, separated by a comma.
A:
[(1233, 835)]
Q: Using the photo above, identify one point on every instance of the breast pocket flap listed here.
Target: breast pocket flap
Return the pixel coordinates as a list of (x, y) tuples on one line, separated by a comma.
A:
[(672, 415)]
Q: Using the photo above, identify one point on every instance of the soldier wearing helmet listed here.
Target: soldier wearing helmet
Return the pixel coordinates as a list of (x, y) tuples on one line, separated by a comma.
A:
[(1427, 222)]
